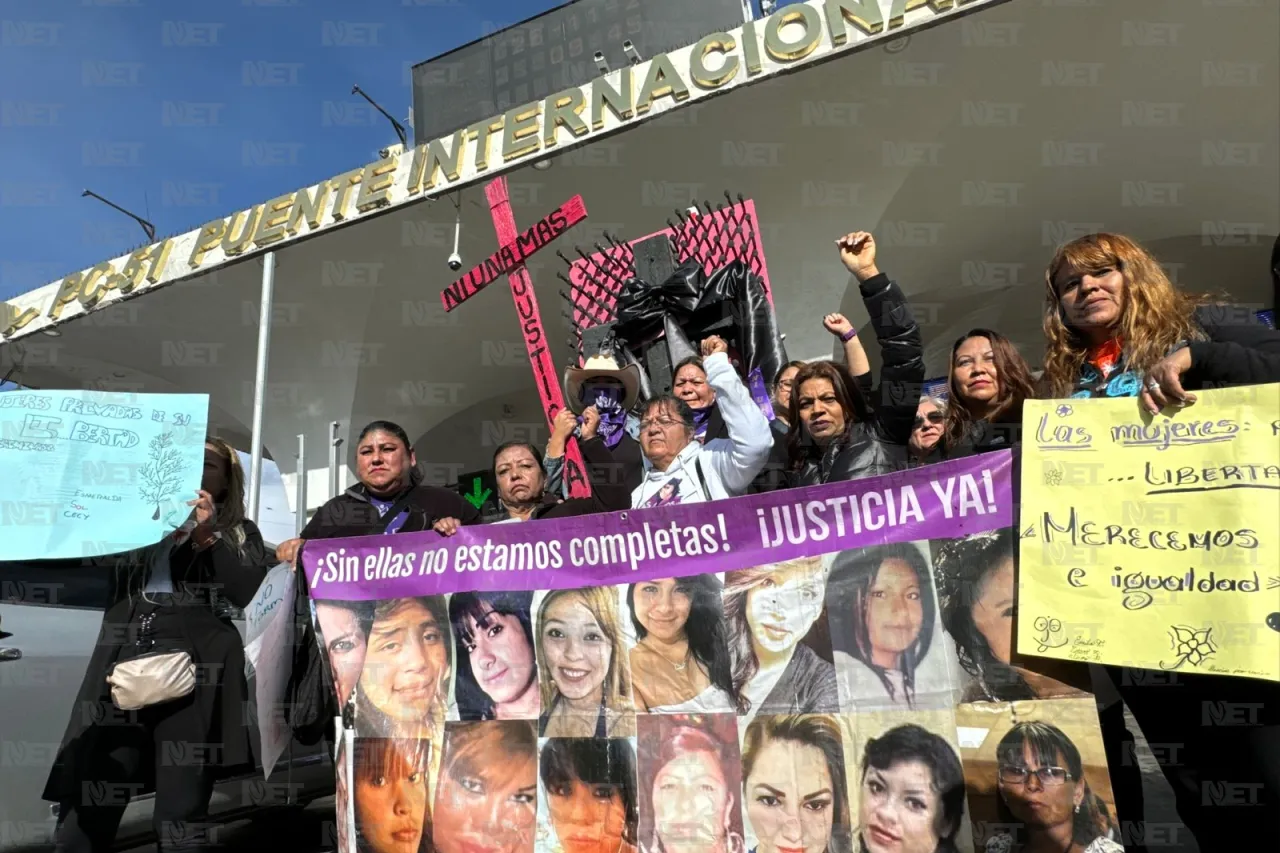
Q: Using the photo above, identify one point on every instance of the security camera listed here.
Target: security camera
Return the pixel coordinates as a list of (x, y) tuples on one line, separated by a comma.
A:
[(455, 259)]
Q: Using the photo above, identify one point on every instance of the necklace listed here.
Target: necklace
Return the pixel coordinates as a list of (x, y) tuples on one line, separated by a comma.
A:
[(678, 667)]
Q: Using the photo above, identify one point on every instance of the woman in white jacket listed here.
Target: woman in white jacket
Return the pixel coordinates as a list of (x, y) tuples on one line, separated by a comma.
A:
[(679, 470)]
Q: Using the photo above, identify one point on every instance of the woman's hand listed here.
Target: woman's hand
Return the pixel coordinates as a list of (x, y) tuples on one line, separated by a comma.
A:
[(446, 526), (837, 324), (713, 345), (858, 254), (590, 422), (1163, 385), (205, 512), (564, 424), (287, 552)]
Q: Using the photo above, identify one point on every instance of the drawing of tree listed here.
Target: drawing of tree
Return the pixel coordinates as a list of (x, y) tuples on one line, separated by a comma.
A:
[(159, 475)]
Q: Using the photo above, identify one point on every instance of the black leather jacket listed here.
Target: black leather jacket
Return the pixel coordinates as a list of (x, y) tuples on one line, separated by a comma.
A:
[(879, 446)]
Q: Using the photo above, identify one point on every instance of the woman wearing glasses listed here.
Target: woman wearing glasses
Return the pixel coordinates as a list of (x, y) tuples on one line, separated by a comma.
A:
[(1042, 786), (926, 431), (678, 469)]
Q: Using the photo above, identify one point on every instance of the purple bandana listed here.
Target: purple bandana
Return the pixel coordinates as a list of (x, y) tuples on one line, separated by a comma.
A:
[(700, 419), (760, 393), (608, 402), (383, 506)]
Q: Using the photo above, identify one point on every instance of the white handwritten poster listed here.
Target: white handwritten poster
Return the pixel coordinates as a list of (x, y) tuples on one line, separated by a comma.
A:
[(269, 642), (86, 473)]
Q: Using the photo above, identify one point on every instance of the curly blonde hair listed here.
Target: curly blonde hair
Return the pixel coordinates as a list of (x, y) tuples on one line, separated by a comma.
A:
[(1155, 314)]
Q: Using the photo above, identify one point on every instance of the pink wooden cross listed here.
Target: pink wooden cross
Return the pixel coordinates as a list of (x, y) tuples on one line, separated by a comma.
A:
[(513, 250)]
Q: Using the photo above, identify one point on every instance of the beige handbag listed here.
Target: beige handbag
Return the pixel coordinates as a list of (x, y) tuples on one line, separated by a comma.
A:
[(158, 672)]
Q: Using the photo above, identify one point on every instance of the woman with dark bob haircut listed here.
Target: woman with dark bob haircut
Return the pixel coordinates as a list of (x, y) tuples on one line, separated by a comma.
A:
[(590, 787), (912, 793), (882, 613), (1043, 788), (497, 667)]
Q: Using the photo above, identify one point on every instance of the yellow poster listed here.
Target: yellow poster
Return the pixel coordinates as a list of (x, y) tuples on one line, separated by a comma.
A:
[(1153, 542)]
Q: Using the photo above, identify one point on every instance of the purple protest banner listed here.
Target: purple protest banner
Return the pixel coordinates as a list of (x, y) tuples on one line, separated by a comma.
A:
[(947, 500)]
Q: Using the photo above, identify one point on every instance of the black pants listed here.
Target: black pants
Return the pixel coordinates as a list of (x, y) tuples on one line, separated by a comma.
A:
[(1126, 775), (1217, 740), (167, 742)]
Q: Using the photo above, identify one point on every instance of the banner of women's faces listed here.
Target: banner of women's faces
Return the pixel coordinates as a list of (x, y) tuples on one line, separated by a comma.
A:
[(865, 700)]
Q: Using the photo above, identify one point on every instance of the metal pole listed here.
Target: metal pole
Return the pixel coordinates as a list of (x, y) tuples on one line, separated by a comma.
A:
[(334, 444), (300, 501), (260, 381)]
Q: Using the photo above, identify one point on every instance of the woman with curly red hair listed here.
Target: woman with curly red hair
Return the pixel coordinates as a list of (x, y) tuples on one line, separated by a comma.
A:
[(1115, 326)]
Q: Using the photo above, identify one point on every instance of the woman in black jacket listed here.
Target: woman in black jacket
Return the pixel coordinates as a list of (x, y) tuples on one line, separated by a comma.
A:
[(174, 748), (1115, 326), (988, 382), (835, 433), (389, 497), (388, 479), (522, 479)]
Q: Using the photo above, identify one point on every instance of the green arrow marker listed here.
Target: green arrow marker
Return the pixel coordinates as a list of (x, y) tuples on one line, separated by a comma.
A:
[(477, 497)]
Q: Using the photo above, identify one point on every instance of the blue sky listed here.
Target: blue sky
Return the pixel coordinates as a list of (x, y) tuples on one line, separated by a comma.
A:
[(146, 103)]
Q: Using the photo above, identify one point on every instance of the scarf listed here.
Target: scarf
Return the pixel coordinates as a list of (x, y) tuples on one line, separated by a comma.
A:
[(701, 417), (613, 418), (1105, 373), (383, 506), (1106, 356)]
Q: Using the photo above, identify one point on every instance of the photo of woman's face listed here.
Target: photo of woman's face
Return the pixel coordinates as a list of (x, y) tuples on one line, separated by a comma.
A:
[(390, 809), (587, 818), (502, 660), (690, 803), (487, 807), (346, 643), (782, 609), (993, 610), (662, 607), (577, 650), (407, 662), (1035, 803), (894, 612), (790, 798), (898, 809)]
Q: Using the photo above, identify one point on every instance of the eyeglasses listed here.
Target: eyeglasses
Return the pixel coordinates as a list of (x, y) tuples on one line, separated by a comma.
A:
[(659, 422), (786, 383), (933, 418), (1049, 777)]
